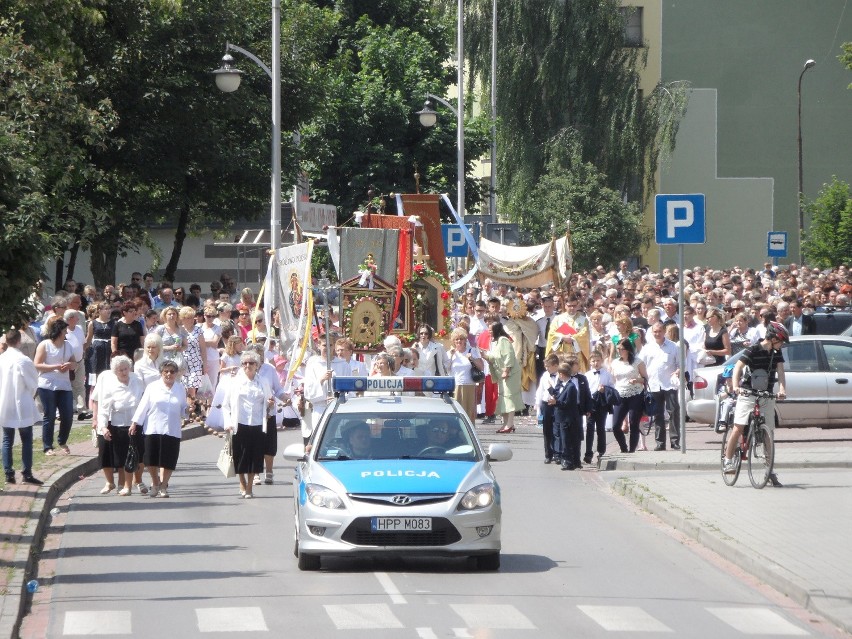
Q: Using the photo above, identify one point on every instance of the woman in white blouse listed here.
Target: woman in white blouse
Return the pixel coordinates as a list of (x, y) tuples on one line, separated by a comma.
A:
[(147, 368), (433, 356), (114, 399), (246, 406), (161, 410), (463, 357)]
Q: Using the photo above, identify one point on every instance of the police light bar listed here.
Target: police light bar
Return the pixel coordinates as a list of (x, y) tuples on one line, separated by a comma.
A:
[(393, 384)]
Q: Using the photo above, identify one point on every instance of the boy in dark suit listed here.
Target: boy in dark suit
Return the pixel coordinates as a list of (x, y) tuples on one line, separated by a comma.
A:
[(552, 446), (571, 401)]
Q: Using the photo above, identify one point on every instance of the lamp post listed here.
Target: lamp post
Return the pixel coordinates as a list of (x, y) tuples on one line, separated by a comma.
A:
[(808, 65), (228, 80), (428, 116), (325, 286)]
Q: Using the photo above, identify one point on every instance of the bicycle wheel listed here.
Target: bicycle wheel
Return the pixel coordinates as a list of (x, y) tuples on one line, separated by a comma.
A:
[(761, 455), (731, 479)]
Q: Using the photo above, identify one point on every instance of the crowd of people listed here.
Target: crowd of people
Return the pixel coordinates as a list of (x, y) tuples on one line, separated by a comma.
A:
[(142, 361)]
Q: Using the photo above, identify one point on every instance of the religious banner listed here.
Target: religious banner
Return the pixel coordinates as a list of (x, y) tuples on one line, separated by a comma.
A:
[(366, 312), (526, 266), (294, 301), (365, 253)]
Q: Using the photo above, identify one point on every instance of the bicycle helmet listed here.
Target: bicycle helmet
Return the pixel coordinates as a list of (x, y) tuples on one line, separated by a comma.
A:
[(776, 330)]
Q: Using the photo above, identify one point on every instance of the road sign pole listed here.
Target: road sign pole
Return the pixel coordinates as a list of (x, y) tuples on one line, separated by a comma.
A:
[(681, 356)]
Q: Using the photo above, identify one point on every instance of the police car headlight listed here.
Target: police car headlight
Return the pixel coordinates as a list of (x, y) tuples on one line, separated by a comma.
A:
[(322, 497), (481, 496)]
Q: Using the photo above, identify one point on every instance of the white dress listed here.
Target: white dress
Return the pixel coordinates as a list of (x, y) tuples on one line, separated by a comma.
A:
[(215, 416)]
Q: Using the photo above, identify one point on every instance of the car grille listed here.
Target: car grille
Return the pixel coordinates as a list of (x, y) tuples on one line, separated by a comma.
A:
[(359, 533), (412, 500)]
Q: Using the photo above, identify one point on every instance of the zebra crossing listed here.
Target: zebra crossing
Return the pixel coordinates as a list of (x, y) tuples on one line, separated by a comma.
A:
[(462, 620)]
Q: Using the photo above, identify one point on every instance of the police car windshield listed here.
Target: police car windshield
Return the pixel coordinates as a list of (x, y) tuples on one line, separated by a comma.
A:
[(401, 436)]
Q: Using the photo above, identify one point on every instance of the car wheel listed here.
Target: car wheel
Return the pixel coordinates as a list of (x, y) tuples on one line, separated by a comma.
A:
[(309, 562), (488, 562)]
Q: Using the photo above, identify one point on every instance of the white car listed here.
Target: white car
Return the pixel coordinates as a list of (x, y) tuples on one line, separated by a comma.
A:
[(391, 472), (818, 371)]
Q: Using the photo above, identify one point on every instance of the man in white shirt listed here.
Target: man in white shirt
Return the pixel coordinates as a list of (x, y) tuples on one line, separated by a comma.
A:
[(660, 356)]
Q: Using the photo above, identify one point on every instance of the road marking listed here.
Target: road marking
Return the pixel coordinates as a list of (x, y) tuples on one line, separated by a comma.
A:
[(757, 621), (362, 616), (462, 633), (390, 588), (426, 633), (624, 619), (247, 619), (97, 622), (495, 616)]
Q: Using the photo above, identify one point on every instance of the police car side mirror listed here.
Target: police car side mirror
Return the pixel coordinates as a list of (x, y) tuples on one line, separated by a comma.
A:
[(295, 452), (499, 452)]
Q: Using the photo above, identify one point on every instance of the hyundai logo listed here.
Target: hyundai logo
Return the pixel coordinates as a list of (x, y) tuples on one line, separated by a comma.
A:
[(401, 500)]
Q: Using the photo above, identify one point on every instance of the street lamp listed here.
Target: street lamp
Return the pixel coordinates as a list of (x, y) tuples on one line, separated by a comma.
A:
[(428, 117), (228, 80), (808, 65)]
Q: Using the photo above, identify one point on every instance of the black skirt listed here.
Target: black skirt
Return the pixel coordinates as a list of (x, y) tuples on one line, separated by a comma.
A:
[(113, 454), (161, 451), (271, 445), (249, 445)]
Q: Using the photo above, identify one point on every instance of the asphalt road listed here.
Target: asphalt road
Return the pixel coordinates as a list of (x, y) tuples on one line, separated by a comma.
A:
[(577, 561)]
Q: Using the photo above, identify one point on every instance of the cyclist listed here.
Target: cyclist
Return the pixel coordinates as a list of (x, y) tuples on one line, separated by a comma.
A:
[(765, 365)]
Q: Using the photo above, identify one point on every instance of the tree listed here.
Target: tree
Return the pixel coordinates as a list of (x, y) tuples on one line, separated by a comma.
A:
[(386, 57), (564, 66), (846, 57), (828, 242), (572, 191), (45, 135)]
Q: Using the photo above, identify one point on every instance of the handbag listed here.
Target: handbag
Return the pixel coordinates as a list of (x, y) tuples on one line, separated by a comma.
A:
[(226, 459), (131, 462), (476, 374), (94, 436), (649, 403)]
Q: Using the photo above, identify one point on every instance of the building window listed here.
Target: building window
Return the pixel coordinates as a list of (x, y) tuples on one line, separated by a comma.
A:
[(632, 26)]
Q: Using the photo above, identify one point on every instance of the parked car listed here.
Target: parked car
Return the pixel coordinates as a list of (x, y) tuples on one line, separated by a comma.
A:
[(832, 322), (818, 369)]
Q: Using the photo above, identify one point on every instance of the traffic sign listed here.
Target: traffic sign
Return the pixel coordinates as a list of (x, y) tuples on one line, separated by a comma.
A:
[(680, 219), (455, 243), (776, 244)]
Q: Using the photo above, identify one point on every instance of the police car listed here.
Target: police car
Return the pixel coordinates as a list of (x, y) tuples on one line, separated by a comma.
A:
[(394, 467)]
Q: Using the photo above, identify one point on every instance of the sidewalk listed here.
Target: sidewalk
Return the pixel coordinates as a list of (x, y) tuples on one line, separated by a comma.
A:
[(795, 538), (26, 513)]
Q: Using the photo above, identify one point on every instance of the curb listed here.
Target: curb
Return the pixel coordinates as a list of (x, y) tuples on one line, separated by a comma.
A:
[(15, 603), (764, 569), (629, 464)]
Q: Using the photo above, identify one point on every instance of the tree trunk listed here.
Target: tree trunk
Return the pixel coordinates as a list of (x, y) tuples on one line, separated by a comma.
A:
[(177, 247), (72, 261), (57, 275), (102, 262)]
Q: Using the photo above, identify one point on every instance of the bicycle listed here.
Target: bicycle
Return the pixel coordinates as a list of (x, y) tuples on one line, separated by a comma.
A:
[(756, 446)]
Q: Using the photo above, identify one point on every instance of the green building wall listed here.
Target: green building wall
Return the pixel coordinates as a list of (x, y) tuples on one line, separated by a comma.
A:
[(737, 143)]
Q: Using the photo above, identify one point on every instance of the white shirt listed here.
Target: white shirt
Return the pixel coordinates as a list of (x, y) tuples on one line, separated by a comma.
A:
[(660, 363), (598, 378), (433, 358), (18, 384), (211, 353), (545, 383), (147, 370), (116, 401), (460, 365), (162, 409), (247, 401), (543, 328), (76, 339)]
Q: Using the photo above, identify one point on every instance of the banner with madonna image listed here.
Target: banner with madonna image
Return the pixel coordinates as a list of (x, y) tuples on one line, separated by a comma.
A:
[(294, 300)]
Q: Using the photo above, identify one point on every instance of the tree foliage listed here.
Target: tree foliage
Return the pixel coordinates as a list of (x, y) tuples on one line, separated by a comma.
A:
[(564, 67), (846, 57), (386, 57), (46, 133), (828, 241), (574, 192)]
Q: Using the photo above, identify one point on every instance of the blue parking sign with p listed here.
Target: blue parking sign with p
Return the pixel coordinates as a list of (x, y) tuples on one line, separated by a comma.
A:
[(455, 242), (680, 219)]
